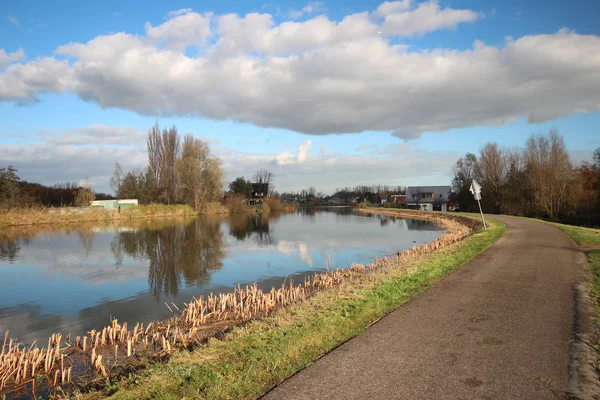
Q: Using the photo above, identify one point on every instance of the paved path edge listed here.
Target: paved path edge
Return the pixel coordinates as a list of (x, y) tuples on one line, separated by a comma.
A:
[(584, 380)]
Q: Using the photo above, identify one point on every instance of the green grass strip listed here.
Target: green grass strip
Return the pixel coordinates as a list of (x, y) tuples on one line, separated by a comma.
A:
[(583, 236), (254, 358), (594, 261)]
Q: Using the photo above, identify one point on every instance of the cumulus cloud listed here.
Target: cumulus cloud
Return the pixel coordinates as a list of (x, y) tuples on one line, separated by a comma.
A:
[(322, 76), (9, 58), (185, 28), (310, 8), (427, 17), (389, 7), (287, 157)]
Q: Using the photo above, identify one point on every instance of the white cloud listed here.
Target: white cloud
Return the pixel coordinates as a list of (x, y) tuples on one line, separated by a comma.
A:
[(185, 28), (287, 157), (310, 8), (389, 7), (97, 134), (13, 20), (427, 17), (176, 13), (321, 76), (9, 58)]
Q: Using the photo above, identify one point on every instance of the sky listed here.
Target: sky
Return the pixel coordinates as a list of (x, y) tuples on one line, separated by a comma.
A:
[(325, 94)]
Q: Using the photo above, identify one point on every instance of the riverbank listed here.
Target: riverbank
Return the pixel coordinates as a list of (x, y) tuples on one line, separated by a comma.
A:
[(60, 216), (108, 355), (256, 356)]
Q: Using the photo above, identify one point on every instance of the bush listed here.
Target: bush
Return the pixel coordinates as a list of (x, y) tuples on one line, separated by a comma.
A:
[(364, 204), (235, 203), (272, 204)]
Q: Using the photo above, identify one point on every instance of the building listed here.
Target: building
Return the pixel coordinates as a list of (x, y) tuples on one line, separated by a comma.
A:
[(431, 198), (398, 199), (115, 204), (259, 192)]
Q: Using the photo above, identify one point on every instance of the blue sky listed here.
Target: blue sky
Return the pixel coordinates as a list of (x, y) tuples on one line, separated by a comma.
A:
[(394, 96)]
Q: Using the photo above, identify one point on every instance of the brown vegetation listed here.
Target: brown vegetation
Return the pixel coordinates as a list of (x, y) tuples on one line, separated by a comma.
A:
[(67, 363), (539, 180)]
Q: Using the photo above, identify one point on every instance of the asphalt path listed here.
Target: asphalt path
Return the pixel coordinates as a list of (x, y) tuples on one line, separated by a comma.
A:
[(501, 327)]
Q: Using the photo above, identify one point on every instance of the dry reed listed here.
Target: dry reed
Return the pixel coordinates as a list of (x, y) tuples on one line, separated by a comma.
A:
[(100, 352)]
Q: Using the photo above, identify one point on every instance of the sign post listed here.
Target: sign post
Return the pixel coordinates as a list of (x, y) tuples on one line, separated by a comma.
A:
[(476, 190)]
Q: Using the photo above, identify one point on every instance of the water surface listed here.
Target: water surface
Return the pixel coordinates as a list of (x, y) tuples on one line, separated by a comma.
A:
[(76, 279)]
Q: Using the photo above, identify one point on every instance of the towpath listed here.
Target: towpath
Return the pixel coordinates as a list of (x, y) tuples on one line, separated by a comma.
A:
[(499, 328)]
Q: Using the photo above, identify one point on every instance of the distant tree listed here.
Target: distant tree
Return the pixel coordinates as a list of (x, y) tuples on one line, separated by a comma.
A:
[(198, 173), (130, 185), (596, 160), (463, 174), (163, 152), (550, 170), (85, 195), (490, 171), (9, 186), (149, 190), (115, 179), (241, 186), (263, 176)]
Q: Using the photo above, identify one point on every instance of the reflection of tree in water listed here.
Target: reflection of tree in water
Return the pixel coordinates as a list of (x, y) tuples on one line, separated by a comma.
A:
[(86, 238), (257, 226), (420, 225), (9, 249), (189, 252)]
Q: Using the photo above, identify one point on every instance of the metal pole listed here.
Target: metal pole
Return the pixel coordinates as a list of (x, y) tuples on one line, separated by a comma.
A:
[(483, 219)]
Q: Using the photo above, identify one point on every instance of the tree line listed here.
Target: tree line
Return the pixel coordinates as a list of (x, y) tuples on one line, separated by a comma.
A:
[(180, 170), (15, 192), (538, 180)]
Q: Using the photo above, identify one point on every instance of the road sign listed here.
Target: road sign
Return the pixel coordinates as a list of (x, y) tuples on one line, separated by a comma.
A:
[(476, 190)]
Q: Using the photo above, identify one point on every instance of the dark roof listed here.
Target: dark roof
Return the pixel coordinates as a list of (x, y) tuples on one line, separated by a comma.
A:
[(441, 194)]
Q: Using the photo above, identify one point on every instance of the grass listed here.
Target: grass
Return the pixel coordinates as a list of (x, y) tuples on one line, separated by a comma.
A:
[(583, 236), (587, 237), (68, 215), (594, 261), (253, 358)]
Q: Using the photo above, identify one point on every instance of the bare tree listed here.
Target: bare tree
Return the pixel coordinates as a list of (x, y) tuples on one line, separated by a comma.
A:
[(490, 170), (263, 176), (198, 173), (550, 171), (163, 151), (85, 195), (116, 178)]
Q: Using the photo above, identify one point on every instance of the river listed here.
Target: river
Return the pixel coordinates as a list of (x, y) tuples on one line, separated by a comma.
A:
[(74, 279)]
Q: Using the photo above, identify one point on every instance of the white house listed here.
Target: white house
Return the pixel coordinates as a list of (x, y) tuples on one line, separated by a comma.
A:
[(430, 198)]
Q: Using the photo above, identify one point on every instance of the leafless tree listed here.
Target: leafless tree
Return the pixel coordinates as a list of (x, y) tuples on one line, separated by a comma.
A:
[(116, 178), (198, 173), (263, 176), (85, 195), (550, 171), (163, 151), (490, 171)]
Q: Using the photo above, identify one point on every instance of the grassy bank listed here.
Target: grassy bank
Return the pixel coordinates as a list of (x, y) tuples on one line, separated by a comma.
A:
[(68, 215), (253, 358), (587, 237), (583, 236)]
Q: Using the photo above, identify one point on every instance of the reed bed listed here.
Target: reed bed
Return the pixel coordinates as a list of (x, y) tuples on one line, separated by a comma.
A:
[(67, 362)]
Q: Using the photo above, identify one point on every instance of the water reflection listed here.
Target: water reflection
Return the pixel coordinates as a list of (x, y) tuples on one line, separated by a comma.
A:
[(186, 253), (73, 279)]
